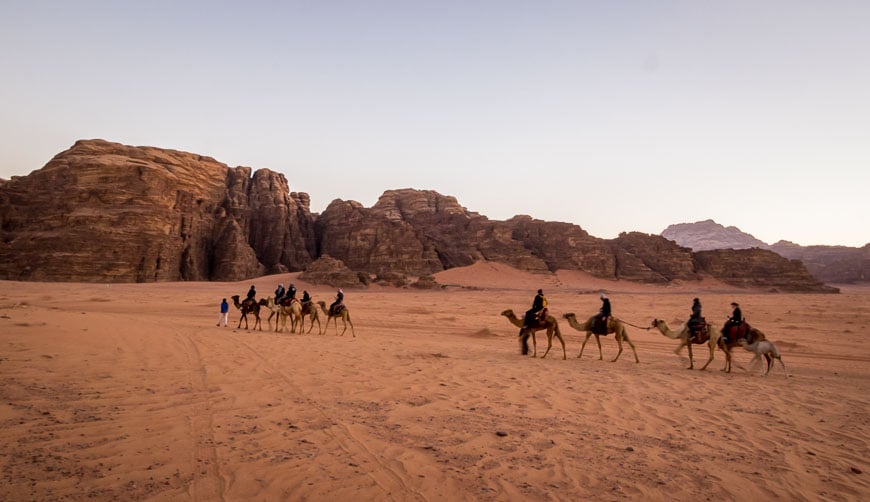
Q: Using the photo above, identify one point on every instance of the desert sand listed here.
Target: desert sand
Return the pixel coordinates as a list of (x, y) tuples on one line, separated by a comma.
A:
[(130, 391)]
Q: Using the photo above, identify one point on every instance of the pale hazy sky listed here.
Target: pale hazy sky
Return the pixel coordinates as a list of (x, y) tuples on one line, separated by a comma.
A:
[(614, 115)]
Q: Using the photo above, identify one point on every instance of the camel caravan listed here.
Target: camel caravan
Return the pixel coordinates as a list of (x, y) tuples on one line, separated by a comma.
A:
[(284, 305), (696, 331)]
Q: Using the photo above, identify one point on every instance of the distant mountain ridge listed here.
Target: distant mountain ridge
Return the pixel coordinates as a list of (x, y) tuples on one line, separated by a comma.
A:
[(830, 264)]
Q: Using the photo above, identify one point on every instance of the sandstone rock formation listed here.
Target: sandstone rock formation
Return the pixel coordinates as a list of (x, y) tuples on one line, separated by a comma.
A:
[(759, 268), (107, 212), (328, 270)]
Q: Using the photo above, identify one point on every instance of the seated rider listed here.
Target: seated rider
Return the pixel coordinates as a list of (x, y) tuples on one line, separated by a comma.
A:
[(279, 293), (539, 305), (251, 297), (696, 321), (306, 299), (291, 293), (736, 319), (339, 297), (603, 314)]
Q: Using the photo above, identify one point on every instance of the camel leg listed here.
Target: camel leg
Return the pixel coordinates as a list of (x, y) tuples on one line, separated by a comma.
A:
[(564, 352), (691, 358), (352, 331), (712, 352), (628, 341), (769, 363), (619, 347), (584, 345), (783, 366), (534, 345), (549, 344)]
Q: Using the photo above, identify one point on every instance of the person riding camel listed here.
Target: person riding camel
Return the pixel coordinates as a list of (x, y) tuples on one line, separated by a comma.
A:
[(290, 295), (600, 324), (251, 297), (696, 321), (339, 298), (537, 312), (736, 319), (279, 294), (306, 300)]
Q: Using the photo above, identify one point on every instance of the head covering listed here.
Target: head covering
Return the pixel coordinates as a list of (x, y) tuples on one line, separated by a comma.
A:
[(696, 300), (281, 285), (603, 296), (291, 285), (540, 291), (735, 304), (340, 291)]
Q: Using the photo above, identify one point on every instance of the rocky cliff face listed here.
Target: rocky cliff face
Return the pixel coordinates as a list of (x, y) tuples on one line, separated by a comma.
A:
[(707, 234), (102, 211), (831, 264), (106, 212), (758, 268)]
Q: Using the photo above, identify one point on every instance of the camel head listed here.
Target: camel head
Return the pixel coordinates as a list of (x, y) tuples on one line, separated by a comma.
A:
[(508, 313), (656, 323), (569, 315)]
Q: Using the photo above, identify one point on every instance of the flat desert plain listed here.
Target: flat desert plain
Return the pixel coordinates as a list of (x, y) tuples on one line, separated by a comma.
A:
[(130, 392)]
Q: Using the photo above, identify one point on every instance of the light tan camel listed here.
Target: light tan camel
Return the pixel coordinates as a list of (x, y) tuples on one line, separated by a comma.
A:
[(614, 325), (245, 308), (766, 349), (293, 311), (344, 314), (550, 324), (682, 334), (309, 309)]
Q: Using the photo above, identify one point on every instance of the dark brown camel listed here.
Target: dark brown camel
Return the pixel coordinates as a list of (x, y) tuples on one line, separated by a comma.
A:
[(245, 308)]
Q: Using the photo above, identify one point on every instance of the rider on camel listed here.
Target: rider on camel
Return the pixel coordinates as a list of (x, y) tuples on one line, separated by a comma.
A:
[(279, 293), (735, 320), (339, 298), (539, 305), (695, 321), (251, 297), (603, 314)]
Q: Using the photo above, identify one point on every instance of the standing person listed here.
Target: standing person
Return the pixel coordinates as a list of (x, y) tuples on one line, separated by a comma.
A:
[(279, 293), (225, 310), (539, 304), (339, 297), (735, 320)]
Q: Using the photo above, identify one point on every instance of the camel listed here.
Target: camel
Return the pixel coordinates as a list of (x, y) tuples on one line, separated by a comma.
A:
[(614, 325), (682, 333), (550, 324), (766, 349), (344, 314), (245, 308), (293, 311), (311, 310), (752, 336)]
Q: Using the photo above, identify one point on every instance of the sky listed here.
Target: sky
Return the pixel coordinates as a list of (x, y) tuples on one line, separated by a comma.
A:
[(614, 115)]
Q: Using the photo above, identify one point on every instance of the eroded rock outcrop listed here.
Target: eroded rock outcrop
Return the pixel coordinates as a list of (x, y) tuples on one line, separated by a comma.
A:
[(108, 212), (759, 268)]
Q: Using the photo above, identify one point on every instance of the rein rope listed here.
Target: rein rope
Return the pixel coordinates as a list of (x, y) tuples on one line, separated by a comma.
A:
[(638, 327)]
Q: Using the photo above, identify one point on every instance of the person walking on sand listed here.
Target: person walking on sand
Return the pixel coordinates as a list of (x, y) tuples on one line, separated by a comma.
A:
[(225, 310)]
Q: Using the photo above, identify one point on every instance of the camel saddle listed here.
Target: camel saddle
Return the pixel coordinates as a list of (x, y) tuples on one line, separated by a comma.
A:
[(698, 330), (738, 331), (287, 301), (336, 310), (599, 326)]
